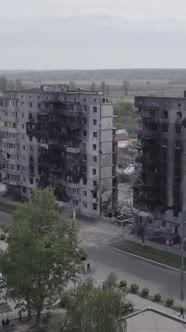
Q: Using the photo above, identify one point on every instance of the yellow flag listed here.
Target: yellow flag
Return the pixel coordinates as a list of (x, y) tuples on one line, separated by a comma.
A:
[(74, 216)]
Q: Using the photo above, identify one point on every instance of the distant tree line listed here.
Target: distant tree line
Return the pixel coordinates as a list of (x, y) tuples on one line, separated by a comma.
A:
[(125, 111), (6, 84)]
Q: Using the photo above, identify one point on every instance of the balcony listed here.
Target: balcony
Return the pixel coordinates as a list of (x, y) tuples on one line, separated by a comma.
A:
[(70, 149), (57, 146), (10, 130), (11, 182), (70, 113), (71, 125), (72, 161), (44, 146)]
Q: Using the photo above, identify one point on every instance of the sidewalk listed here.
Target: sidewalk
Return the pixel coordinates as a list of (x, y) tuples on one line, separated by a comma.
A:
[(138, 302), (141, 303)]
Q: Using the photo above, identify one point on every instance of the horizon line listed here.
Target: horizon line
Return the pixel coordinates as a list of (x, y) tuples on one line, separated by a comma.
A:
[(96, 69)]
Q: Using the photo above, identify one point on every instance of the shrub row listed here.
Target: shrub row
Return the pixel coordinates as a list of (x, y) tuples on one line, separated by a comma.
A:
[(134, 288)]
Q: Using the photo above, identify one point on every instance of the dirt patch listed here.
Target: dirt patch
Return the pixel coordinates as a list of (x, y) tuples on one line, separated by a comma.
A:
[(100, 232)]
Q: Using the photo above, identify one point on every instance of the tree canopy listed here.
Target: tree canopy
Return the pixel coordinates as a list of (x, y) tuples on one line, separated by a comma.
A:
[(125, 111), (72, 86), (125, 87), (93, 309), (42, 254)]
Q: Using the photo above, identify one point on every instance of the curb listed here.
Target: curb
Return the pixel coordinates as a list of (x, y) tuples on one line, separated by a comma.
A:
[(147, 260)]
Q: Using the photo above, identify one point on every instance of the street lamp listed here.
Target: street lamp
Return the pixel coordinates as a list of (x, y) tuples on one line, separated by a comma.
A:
[(182, 270)]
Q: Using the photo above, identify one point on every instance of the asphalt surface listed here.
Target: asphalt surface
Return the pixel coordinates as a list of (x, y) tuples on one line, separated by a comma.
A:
[(132, 269), (5, 217)]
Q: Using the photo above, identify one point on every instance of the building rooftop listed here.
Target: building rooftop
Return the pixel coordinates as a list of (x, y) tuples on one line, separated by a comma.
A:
[(152, 320)]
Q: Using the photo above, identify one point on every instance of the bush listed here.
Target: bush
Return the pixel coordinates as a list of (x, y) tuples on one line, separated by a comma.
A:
[(122, 283), (66, 300), (134, 288), (110, 282), (157, 297), (169, 302), (145, 292)]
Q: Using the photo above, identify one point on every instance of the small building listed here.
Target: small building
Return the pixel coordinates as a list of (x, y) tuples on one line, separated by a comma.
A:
[(126, 154), (152, 320), (122, 138)]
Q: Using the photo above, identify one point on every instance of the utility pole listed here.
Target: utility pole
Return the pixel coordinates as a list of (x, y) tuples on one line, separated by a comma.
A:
[(183, 239), (73, 234), (182, 270)]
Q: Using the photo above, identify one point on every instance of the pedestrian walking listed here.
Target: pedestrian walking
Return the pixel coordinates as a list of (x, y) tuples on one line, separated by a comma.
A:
[(20, 315), (88, 267), (181, 313)]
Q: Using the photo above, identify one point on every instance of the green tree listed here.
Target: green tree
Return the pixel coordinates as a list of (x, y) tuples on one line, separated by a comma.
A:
[(95, 309), (125, 110), (93, 87), (72, 86), (125, 87), (139, 223), (108, 89), (10, 85), (42, 254), (18, 84), (103, 86), (3, 83)]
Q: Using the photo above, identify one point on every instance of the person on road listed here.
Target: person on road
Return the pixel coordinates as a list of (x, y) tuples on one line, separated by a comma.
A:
[(88, 267), (20, 315), (181, 313), (83, 271)]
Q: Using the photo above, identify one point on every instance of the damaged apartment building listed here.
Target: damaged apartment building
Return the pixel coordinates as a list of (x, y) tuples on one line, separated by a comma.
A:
[(160, 189), (64, 139)]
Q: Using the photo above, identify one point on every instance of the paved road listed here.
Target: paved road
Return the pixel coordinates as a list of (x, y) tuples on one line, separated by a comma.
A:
[(157, 279), (132, 269), (5, 217)]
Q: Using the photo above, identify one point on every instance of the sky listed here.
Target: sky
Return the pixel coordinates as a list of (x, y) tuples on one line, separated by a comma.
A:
[(92, 34)]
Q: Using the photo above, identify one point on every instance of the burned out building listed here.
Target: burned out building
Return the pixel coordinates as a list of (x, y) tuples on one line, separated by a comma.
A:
[(160, 189), (62, 138)]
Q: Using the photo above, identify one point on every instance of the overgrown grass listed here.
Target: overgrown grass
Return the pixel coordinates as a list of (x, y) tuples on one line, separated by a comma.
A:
[(9, 208), (154, 254)]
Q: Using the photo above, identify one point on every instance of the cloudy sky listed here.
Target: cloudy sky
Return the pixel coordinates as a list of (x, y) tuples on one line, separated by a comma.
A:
[(81, 34)]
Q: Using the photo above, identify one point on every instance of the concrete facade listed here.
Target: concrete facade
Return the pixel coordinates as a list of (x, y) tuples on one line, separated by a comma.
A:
[(160, 191), (53, 136)]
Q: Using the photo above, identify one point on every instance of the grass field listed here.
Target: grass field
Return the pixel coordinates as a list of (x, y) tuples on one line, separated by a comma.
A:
[(154, 254)]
